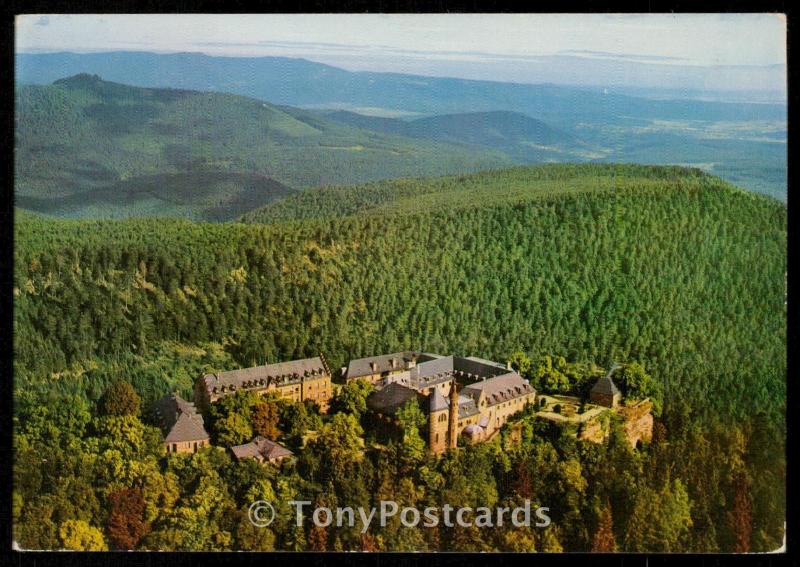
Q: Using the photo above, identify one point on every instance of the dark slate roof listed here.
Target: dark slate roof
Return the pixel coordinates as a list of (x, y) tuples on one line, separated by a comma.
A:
[(437, 401), (478, 367), (390, 399), (421, 370), (179, 420), (466, 406), (483, 361), (500, 388), (605, 385), (261, 446), (432, 372), (188, 427), (445, 368), (262, 376), (383, 363)]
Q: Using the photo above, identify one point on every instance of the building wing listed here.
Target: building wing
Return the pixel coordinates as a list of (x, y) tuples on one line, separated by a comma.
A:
[(263, 376), (500, 388), (388, 400), (179, 420)]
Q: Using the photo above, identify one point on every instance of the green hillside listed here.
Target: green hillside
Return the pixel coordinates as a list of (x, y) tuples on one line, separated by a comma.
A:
[(87, 147), (198, 195), (744, 143), (525, 139), (665, 266), (454, 193)]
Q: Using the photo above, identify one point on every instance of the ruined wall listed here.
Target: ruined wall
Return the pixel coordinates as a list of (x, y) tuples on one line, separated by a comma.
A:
[(593, 431), (638, 422)]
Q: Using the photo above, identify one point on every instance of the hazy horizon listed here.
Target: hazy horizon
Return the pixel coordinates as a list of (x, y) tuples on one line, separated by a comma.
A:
[(714, 53)]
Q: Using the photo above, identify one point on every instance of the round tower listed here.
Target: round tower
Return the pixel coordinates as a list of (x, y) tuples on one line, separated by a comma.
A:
[(452, 429), (437, 422)]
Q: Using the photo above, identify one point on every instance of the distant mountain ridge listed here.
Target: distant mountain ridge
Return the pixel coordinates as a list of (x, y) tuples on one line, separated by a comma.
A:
[(299, 82), (90, 147), (743, 142), (525, 139)]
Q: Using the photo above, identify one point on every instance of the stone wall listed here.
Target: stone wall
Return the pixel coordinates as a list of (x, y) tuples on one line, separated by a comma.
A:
[(592, 431), (638, 423), (185, 446), (500, 413)]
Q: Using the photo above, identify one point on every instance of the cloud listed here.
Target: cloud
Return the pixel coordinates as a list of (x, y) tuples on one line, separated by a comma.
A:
[(658, 40), (628, 56)]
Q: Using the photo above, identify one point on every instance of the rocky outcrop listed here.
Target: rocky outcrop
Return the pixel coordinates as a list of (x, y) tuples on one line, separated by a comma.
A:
[(637, 421), (593, 431)]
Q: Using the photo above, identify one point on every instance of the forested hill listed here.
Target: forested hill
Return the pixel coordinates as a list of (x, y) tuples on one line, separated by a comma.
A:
[(666, 266), (663, 266), (525, 139), (300, 82), (88, 147), (744, 143), (479, 190)]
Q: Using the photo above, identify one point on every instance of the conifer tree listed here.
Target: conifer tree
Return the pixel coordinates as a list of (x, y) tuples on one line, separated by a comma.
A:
[(603, 540)]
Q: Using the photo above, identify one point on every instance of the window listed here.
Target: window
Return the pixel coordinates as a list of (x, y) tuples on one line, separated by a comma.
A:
[(437, 437), (174, 447)]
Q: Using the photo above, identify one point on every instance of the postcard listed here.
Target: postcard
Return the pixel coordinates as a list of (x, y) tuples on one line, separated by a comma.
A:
[(400, 283)]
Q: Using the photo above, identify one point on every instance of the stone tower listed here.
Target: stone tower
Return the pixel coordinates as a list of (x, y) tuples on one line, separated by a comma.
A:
[(452, 428), (437, 422)]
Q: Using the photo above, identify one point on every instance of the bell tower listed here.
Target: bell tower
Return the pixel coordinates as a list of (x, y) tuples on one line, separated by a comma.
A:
[(437, 422), (452, 429)]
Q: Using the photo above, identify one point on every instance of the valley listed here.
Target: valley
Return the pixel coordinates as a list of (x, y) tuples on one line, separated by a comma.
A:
[(401, 120)]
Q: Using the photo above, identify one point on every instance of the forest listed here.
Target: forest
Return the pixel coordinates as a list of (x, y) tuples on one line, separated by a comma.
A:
[(669, 268), (92, 148), (742, 142)]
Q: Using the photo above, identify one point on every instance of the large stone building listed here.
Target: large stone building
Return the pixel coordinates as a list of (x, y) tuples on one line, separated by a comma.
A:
[(378, 369), (181, 425), (492, 393), (297, 380)]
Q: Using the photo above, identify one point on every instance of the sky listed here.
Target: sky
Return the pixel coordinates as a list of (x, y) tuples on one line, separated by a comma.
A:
[(476, 46)]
